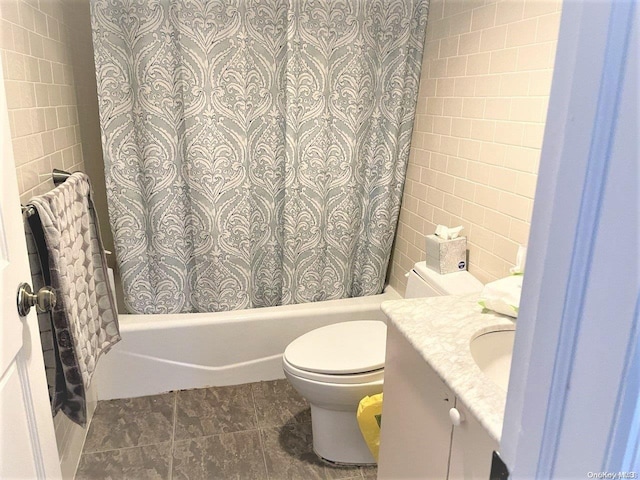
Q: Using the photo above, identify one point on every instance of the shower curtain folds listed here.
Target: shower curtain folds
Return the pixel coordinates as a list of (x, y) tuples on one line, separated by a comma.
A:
[(255, 150)]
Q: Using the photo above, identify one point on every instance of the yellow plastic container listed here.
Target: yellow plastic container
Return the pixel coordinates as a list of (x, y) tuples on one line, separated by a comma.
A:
[(369, 419)]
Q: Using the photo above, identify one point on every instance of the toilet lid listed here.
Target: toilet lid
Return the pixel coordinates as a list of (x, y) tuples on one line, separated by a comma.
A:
[(341, 348)]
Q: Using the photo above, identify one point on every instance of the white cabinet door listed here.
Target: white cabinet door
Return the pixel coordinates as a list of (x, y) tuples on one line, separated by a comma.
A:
[(27, 440), (416, 430), (471, 449)]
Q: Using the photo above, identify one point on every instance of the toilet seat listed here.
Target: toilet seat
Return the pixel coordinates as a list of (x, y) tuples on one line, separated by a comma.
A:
[(343, 353), (346, 379)]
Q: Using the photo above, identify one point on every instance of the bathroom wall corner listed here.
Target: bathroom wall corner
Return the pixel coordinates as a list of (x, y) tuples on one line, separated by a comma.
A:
[(481, 111)]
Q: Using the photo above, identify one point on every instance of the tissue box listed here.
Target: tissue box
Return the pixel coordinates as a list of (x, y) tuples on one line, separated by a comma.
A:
[(446, 256)]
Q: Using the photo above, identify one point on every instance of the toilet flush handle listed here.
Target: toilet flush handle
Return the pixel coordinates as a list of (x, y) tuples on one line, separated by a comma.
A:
[(456, 416)]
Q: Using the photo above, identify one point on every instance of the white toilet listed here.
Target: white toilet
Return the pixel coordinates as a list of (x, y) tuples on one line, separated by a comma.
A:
[(334, 367)]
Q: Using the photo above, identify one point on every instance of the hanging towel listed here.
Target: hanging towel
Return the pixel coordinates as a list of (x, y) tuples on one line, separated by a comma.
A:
[(85, 320), (40, 277)]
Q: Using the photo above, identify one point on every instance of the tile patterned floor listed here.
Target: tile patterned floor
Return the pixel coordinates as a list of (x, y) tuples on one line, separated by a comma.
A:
[(244, 432)]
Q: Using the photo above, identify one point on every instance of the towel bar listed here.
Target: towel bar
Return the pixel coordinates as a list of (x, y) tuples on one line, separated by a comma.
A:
[(58, 176)]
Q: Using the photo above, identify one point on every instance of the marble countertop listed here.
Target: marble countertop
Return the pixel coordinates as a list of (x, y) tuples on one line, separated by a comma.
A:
[(441, 329)]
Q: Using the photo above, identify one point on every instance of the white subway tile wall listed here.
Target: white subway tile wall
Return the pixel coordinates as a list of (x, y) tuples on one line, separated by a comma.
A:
[(36, 49), (482, 105)]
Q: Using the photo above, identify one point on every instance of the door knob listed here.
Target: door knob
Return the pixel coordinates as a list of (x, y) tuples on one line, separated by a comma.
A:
[(44, 300), (456, 416)]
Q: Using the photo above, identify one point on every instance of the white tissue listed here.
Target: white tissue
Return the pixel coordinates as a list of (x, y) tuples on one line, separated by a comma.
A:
[(503, 296), (447, 233), (521, 260)]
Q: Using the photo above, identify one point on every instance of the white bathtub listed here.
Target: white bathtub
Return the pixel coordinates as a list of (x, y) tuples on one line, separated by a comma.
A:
[(159, 353)]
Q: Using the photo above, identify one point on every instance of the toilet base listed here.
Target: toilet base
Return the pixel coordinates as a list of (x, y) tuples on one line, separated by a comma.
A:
[(337, 438)]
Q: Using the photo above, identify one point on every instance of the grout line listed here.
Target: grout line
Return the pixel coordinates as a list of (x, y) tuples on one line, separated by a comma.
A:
[(259, 428), (173, 433), (124, 448), (215, 435)]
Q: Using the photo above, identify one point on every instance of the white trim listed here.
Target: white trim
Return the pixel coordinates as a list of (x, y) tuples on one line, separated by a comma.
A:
[(575, 303), (597, 169), (624, 439), (624, 442)]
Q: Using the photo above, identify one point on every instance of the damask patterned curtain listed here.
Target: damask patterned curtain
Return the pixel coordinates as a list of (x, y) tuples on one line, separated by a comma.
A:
[(255, 150)]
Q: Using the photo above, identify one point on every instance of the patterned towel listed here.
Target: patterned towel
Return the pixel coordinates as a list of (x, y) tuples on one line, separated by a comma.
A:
[(85, 320), (40, 276)]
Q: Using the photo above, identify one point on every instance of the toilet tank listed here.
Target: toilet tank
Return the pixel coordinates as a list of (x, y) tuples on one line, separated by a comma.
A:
[(424, 282)]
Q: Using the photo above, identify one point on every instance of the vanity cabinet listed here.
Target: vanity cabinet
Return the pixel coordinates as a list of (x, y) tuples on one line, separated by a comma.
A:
[(471, 449), (418, 439), (416, 430)]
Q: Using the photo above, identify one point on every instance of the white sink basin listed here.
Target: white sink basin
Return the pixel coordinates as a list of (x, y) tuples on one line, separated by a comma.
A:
[(492, 353)]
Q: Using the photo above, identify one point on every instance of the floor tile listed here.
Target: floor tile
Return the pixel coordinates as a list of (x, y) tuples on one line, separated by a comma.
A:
[(131, 422), (227, 456), (220, 433), (370, 473), (289, 454), (277, 403), (150, 462), (215, 410)]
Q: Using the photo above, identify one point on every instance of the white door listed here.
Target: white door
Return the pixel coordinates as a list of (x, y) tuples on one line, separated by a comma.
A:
[(27, 439), (573, 402)]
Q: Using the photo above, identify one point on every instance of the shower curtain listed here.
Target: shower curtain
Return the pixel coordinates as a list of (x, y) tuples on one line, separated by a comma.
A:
[(255, 150)]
